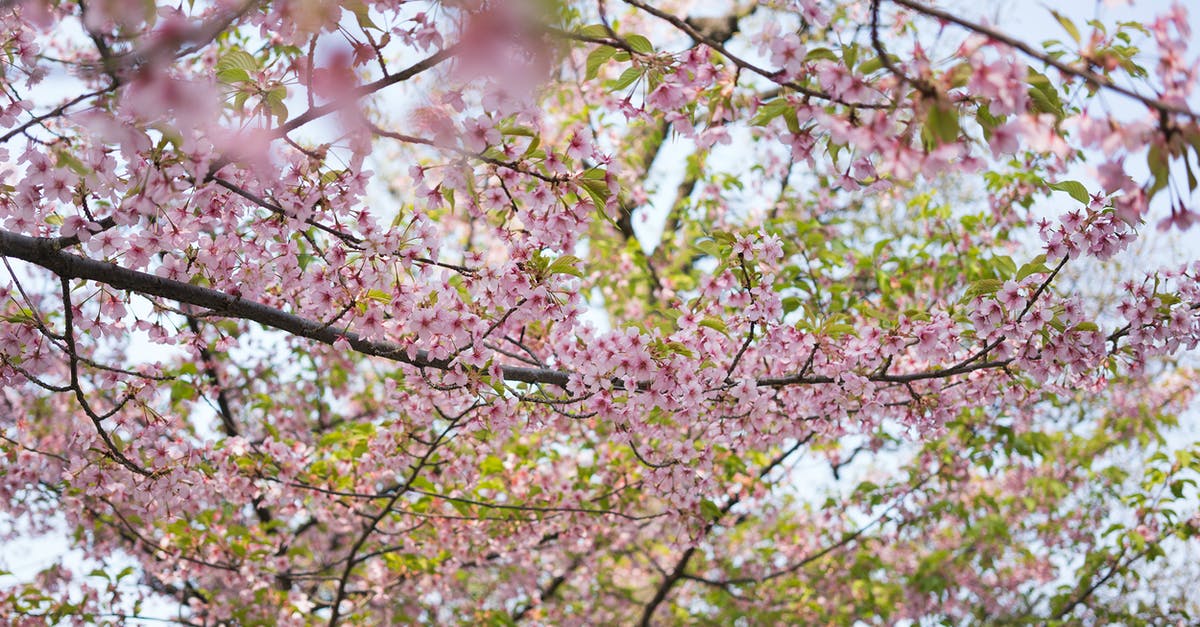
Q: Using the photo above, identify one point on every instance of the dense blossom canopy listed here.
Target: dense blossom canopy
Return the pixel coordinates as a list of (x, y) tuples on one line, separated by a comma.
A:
[(594, 312)]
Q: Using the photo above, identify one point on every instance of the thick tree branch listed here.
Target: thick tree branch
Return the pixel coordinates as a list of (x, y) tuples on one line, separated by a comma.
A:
[(44, 252)]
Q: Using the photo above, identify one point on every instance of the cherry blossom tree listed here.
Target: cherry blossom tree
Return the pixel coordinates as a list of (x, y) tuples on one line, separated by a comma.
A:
[(595, 312)]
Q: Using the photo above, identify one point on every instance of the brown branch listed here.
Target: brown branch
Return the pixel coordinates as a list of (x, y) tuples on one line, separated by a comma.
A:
[(360, 92), (515, 166), (845, 540), (43, 252), (366, 90), (53, 113), (1115, 568), (210, 368), (112, 451), (774, 77), (369, 529), (677, 573), (885, 59), (550, 590), (349, 239), (1081, 72)]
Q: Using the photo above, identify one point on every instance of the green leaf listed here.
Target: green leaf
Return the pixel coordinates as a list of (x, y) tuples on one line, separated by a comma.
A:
[(232, 75), (1037, 266), (715, 324), (566, 264), (491, 465), (640, 44), (711, 248), (793, 124), (595, 184), (1156, 160), (770, 110), (361, 12), (239, 59), (1043, 104), (989, 122), (984, 286), (850, 55), (942, 123), (597, 58), (278, 109), (678, 348), (1067, 25), (820, 53), (379, 295), (1043, 93), (593, 30), (839, 329), (1075, 189), (1005, 266), (517, 130), (628, 77), (67, 159)]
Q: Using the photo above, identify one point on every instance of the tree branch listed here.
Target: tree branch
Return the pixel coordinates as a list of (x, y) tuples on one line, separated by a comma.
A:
[(45, 253), (1081, 72)]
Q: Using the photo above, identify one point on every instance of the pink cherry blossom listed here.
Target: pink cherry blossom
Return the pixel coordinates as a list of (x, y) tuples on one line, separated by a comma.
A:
[(623, 313)]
